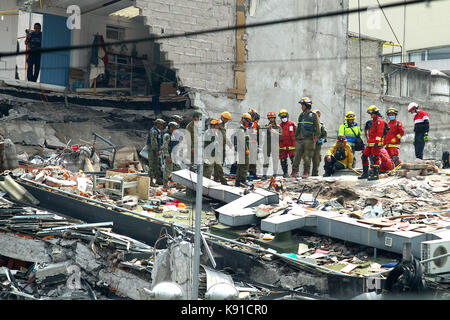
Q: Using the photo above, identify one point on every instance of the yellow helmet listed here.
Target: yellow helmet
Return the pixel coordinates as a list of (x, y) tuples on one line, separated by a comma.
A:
[(350, 115), (214, 121), (306, 102), (226, 115), (283, 113), (392, 110), (372, 109), (247, 116)]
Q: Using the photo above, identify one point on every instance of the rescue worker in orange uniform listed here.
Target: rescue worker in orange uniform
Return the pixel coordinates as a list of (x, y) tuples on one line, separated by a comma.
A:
[(395, 133), (287, 141), (374, 145), (386, 161)]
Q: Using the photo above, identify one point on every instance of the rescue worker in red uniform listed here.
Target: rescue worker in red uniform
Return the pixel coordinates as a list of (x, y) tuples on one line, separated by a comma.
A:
[(374, 145), (254, 138), (395, 133), (386, 162), (287, 141)]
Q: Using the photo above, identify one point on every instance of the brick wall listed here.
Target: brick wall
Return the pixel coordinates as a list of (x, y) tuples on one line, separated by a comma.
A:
[(201, 62)]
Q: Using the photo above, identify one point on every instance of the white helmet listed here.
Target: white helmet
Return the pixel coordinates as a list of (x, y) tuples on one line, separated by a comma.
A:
[(412, 105)]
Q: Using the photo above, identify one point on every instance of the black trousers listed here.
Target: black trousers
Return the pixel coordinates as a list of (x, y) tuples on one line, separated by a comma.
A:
[(332, 166), (419, 144), (34, 66)]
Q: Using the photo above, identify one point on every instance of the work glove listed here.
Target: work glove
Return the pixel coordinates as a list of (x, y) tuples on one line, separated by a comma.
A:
[(320, 141), (425, 137), (379, 144)]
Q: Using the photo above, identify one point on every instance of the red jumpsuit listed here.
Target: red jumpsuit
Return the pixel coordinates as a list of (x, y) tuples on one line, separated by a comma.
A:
[(386, 162), (287, 139), (392, 139), (374, 143)]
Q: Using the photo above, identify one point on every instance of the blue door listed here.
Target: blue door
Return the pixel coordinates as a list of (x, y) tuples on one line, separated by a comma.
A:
[(55, 65)]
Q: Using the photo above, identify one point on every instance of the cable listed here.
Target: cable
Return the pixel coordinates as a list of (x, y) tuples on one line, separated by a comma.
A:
[(214, 30)]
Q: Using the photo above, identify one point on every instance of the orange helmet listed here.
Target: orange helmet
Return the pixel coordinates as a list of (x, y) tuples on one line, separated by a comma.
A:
[(247, 116), (214, 122), (271, 115)]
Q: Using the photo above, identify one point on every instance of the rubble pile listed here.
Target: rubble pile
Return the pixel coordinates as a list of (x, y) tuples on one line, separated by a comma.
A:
[(45, 256)]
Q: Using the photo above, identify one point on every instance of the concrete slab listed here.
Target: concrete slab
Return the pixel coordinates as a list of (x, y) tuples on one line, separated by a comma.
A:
[(23, 249)]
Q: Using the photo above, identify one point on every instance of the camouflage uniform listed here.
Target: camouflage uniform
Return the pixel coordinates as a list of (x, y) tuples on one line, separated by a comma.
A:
[(317, 157), (242, 167), (216, 165), (167, 146), (154, 142), (308, 128)]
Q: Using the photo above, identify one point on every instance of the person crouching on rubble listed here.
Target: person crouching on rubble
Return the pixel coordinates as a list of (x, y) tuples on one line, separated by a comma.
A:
[(387, 163), (338, 157)]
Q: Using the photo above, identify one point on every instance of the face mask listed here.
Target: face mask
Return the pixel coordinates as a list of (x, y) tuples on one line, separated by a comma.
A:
[(391, 117), (284, 119)]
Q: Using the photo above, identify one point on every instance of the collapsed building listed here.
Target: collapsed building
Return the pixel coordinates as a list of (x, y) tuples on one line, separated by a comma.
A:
[(59, 126)]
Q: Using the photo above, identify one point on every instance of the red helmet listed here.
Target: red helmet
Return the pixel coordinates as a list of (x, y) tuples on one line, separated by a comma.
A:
[(271, 115)]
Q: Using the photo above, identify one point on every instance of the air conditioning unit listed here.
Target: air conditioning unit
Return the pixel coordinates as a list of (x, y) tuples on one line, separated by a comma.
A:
[(435, 248)]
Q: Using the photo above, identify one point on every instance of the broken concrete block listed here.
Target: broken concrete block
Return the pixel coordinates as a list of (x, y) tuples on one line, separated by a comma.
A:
[(85, 258), (124, 283), (52, 270), (23, 249)]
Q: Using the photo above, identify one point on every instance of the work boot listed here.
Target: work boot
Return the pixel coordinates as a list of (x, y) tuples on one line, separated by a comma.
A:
[(294, 174), (165, 185), (396, 161), (328, 172), (365, 174), (305, 174), (152, 184), (375, 174), (224, 182)]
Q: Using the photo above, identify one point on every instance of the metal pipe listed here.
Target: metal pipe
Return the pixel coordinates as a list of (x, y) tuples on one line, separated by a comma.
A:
[(435, 258), (198, 209)]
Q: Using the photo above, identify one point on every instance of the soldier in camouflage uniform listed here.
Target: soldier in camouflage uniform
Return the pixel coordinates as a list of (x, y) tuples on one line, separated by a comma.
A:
[(154, 142), (242, 167), (317, 157), (214, 161), (192, 128), (167, 146)]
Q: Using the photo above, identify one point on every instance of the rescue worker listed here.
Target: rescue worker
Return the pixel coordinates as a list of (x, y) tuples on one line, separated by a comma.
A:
[(243, 157), (387, 164), (192, 128), (214, 162), (421, 128), (317, 157), (395, 133), (350, 129), (224, 118), (254, 139), (287, 140), (154, 143), (176, 138), (306, 136), (374, 145), (338, 157), (272, 128), (167, 146)]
